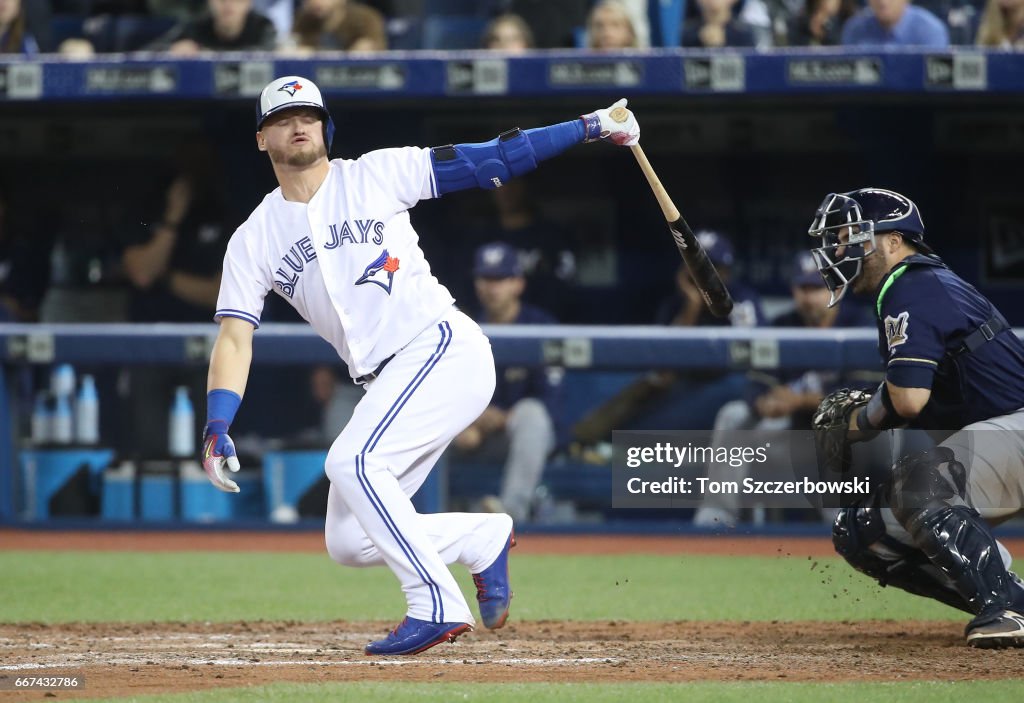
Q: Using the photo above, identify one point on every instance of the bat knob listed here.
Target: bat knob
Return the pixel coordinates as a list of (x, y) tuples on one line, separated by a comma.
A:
[(619, 114)]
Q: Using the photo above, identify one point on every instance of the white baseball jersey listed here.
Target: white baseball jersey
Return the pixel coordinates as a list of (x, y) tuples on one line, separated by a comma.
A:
[(348, 261)]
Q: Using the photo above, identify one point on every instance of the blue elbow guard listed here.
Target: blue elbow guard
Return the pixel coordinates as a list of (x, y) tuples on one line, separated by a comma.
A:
[(517, 152), (488, 165)]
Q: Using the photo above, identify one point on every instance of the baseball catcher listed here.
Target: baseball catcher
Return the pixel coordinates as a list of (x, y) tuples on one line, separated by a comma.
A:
[(953, 368)]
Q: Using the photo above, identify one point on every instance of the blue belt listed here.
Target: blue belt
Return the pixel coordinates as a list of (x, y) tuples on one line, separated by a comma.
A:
[(366, 378)]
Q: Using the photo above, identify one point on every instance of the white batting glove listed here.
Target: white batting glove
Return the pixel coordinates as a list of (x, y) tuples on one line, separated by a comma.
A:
[(218, 453), (603, 125)]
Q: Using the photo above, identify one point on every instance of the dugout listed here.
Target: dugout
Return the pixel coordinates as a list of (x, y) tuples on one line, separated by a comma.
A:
[(745, 142)]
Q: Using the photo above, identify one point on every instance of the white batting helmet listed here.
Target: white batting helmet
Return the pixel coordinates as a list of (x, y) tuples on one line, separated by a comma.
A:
[(291, 92)]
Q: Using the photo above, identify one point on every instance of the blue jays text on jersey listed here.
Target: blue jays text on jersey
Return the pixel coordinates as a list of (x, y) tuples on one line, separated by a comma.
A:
[(302, 252)]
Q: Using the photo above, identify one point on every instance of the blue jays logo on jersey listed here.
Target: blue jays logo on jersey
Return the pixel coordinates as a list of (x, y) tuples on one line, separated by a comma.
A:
[(381, 272), (896, 329), (291, 87)]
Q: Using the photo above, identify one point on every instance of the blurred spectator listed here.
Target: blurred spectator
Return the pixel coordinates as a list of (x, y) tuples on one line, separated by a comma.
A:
[(553, 22), (174, 267), (174, 264), (507, 33), (228, 25), (667, 399), (546, 255), (339, 25), (77, 48), (183, 10), (894, 23), (716, 27), (548, 261), (24, 266), (756, 15), (39, 22), (518, 425), (610, 27), (1002, 24), (779, 404), (639, 14), (685, 307), (820, 23), (280, 12), (14, 35)]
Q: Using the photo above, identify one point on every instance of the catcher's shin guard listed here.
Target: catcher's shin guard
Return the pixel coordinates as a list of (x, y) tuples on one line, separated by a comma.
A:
[(953, 536), (855, 531), (958, 541)]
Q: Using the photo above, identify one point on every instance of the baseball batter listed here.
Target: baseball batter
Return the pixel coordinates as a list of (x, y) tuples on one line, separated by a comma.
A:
[(955, 369), (335, 241)]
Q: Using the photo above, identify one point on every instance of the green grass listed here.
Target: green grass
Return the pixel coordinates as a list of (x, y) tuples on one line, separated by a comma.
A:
[(218, 587), (915, 692)]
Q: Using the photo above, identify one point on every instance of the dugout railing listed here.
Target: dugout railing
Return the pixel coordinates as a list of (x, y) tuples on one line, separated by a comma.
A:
[(27, 351)]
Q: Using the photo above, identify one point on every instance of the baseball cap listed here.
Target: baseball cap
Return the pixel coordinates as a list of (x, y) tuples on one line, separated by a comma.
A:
[(805, 271), (717, 246), (497, 260), (289, 92)]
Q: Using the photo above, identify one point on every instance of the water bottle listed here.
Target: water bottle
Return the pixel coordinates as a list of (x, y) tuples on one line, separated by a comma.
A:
[(60, 264), (62, 420), (181, 427), (42, 420), (62, 381), (87, 413)]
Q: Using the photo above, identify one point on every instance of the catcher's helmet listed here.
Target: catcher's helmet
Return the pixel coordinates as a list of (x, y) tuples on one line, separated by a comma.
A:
[(291, 92), (847, 224)]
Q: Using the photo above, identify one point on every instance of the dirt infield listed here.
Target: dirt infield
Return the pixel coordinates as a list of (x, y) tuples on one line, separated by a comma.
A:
[(122, 660), (130, 659), (314, 542), (720, 545)]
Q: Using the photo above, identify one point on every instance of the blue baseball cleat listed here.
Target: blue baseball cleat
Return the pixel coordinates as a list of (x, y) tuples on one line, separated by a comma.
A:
[(413, 636), (493, 591)]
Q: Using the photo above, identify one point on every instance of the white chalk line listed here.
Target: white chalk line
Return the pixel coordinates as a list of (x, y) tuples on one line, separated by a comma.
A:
[(518, 661)]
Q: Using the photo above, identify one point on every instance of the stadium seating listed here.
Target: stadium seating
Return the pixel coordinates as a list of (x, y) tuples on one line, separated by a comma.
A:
[(453, 32)]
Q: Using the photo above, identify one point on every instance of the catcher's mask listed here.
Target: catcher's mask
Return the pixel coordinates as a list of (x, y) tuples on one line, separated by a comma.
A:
[(846, 224)]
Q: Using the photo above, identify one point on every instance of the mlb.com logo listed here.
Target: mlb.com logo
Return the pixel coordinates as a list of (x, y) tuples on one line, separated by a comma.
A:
[(291, 87)]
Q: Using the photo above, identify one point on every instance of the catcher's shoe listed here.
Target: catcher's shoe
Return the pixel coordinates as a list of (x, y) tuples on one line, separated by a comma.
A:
[(493, 592), (1003, 629), (413, 636)]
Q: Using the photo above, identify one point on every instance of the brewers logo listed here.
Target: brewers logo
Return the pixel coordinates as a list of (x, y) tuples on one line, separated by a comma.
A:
[(896, 329)]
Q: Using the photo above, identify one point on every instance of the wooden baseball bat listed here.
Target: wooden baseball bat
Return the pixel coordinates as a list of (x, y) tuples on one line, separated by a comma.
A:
[(705, 275)]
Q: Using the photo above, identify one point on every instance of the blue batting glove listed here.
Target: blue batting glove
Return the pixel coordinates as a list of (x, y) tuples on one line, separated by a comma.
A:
[(218, 452)]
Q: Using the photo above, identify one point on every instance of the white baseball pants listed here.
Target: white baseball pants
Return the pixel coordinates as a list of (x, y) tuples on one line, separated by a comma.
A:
[(429, 392)]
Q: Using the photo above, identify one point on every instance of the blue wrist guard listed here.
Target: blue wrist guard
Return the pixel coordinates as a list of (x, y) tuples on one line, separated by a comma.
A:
[(221, 406)]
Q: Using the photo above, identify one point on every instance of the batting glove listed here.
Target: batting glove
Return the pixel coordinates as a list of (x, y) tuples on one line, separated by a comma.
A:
[(218, 452), (601, 125)]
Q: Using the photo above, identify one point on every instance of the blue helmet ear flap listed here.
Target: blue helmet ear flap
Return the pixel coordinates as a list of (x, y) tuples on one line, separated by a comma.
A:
[(328, 131)]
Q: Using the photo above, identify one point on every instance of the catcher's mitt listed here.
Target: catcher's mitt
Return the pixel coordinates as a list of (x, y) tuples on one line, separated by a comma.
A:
[(831, 423)]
